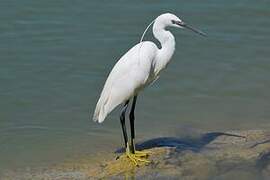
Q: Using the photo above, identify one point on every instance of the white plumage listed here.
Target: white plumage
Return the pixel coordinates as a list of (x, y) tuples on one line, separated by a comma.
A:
[(139, 67), (129, 75)]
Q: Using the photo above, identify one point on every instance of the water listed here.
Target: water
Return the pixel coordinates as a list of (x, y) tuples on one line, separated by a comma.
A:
[(55, 56)]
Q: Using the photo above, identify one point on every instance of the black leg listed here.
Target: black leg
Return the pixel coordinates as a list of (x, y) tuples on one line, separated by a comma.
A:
[(123, 123), (132, 119)]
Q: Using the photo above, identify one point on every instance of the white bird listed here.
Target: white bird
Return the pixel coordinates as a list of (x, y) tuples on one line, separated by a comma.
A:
[(136, 69)]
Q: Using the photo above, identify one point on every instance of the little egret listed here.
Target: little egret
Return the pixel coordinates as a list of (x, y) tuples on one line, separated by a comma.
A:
[(139, 67)]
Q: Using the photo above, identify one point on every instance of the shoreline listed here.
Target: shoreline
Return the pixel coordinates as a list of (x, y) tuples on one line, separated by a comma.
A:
[(213, 154)]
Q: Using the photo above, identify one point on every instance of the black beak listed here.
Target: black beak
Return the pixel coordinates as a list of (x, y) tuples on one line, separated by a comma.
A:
[(182, 24)]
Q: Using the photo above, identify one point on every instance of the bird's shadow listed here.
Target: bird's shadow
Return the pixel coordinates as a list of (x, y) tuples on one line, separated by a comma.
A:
[(180, 144)]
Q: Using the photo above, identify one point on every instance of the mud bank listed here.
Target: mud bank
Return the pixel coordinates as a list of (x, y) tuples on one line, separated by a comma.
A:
[(214, 155)]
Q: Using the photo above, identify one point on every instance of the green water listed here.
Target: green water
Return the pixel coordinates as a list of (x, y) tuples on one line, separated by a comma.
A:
[(55, 56)]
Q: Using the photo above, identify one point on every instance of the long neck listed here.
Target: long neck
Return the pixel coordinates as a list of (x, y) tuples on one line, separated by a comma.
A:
[(167, 42)]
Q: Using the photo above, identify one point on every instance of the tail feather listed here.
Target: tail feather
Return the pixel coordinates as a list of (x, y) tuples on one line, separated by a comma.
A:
[(99, 114), (107, 102), (102, 109), (96, 114)]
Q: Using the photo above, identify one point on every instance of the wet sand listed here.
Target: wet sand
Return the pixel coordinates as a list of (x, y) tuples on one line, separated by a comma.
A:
[(212, 155)]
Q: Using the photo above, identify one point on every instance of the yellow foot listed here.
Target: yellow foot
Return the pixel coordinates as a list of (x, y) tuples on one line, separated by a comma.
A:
[(137, 158), (142, 153)]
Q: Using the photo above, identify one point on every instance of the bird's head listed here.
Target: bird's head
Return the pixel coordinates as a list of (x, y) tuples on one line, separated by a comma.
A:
[(171, 20)]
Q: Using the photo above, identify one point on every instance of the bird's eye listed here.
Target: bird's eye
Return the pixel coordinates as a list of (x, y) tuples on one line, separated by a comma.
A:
[(173, 21)]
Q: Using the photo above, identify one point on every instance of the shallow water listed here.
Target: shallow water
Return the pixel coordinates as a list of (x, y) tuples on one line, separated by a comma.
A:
[(55, 56)]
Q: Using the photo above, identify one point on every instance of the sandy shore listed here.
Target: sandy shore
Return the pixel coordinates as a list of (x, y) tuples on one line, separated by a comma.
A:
[(217, 155)]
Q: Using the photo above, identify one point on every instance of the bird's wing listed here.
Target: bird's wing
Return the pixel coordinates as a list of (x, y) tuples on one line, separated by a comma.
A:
[(127, 77)]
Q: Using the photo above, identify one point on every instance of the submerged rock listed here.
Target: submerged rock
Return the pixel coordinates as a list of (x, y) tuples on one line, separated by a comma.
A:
[(215, 155)]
